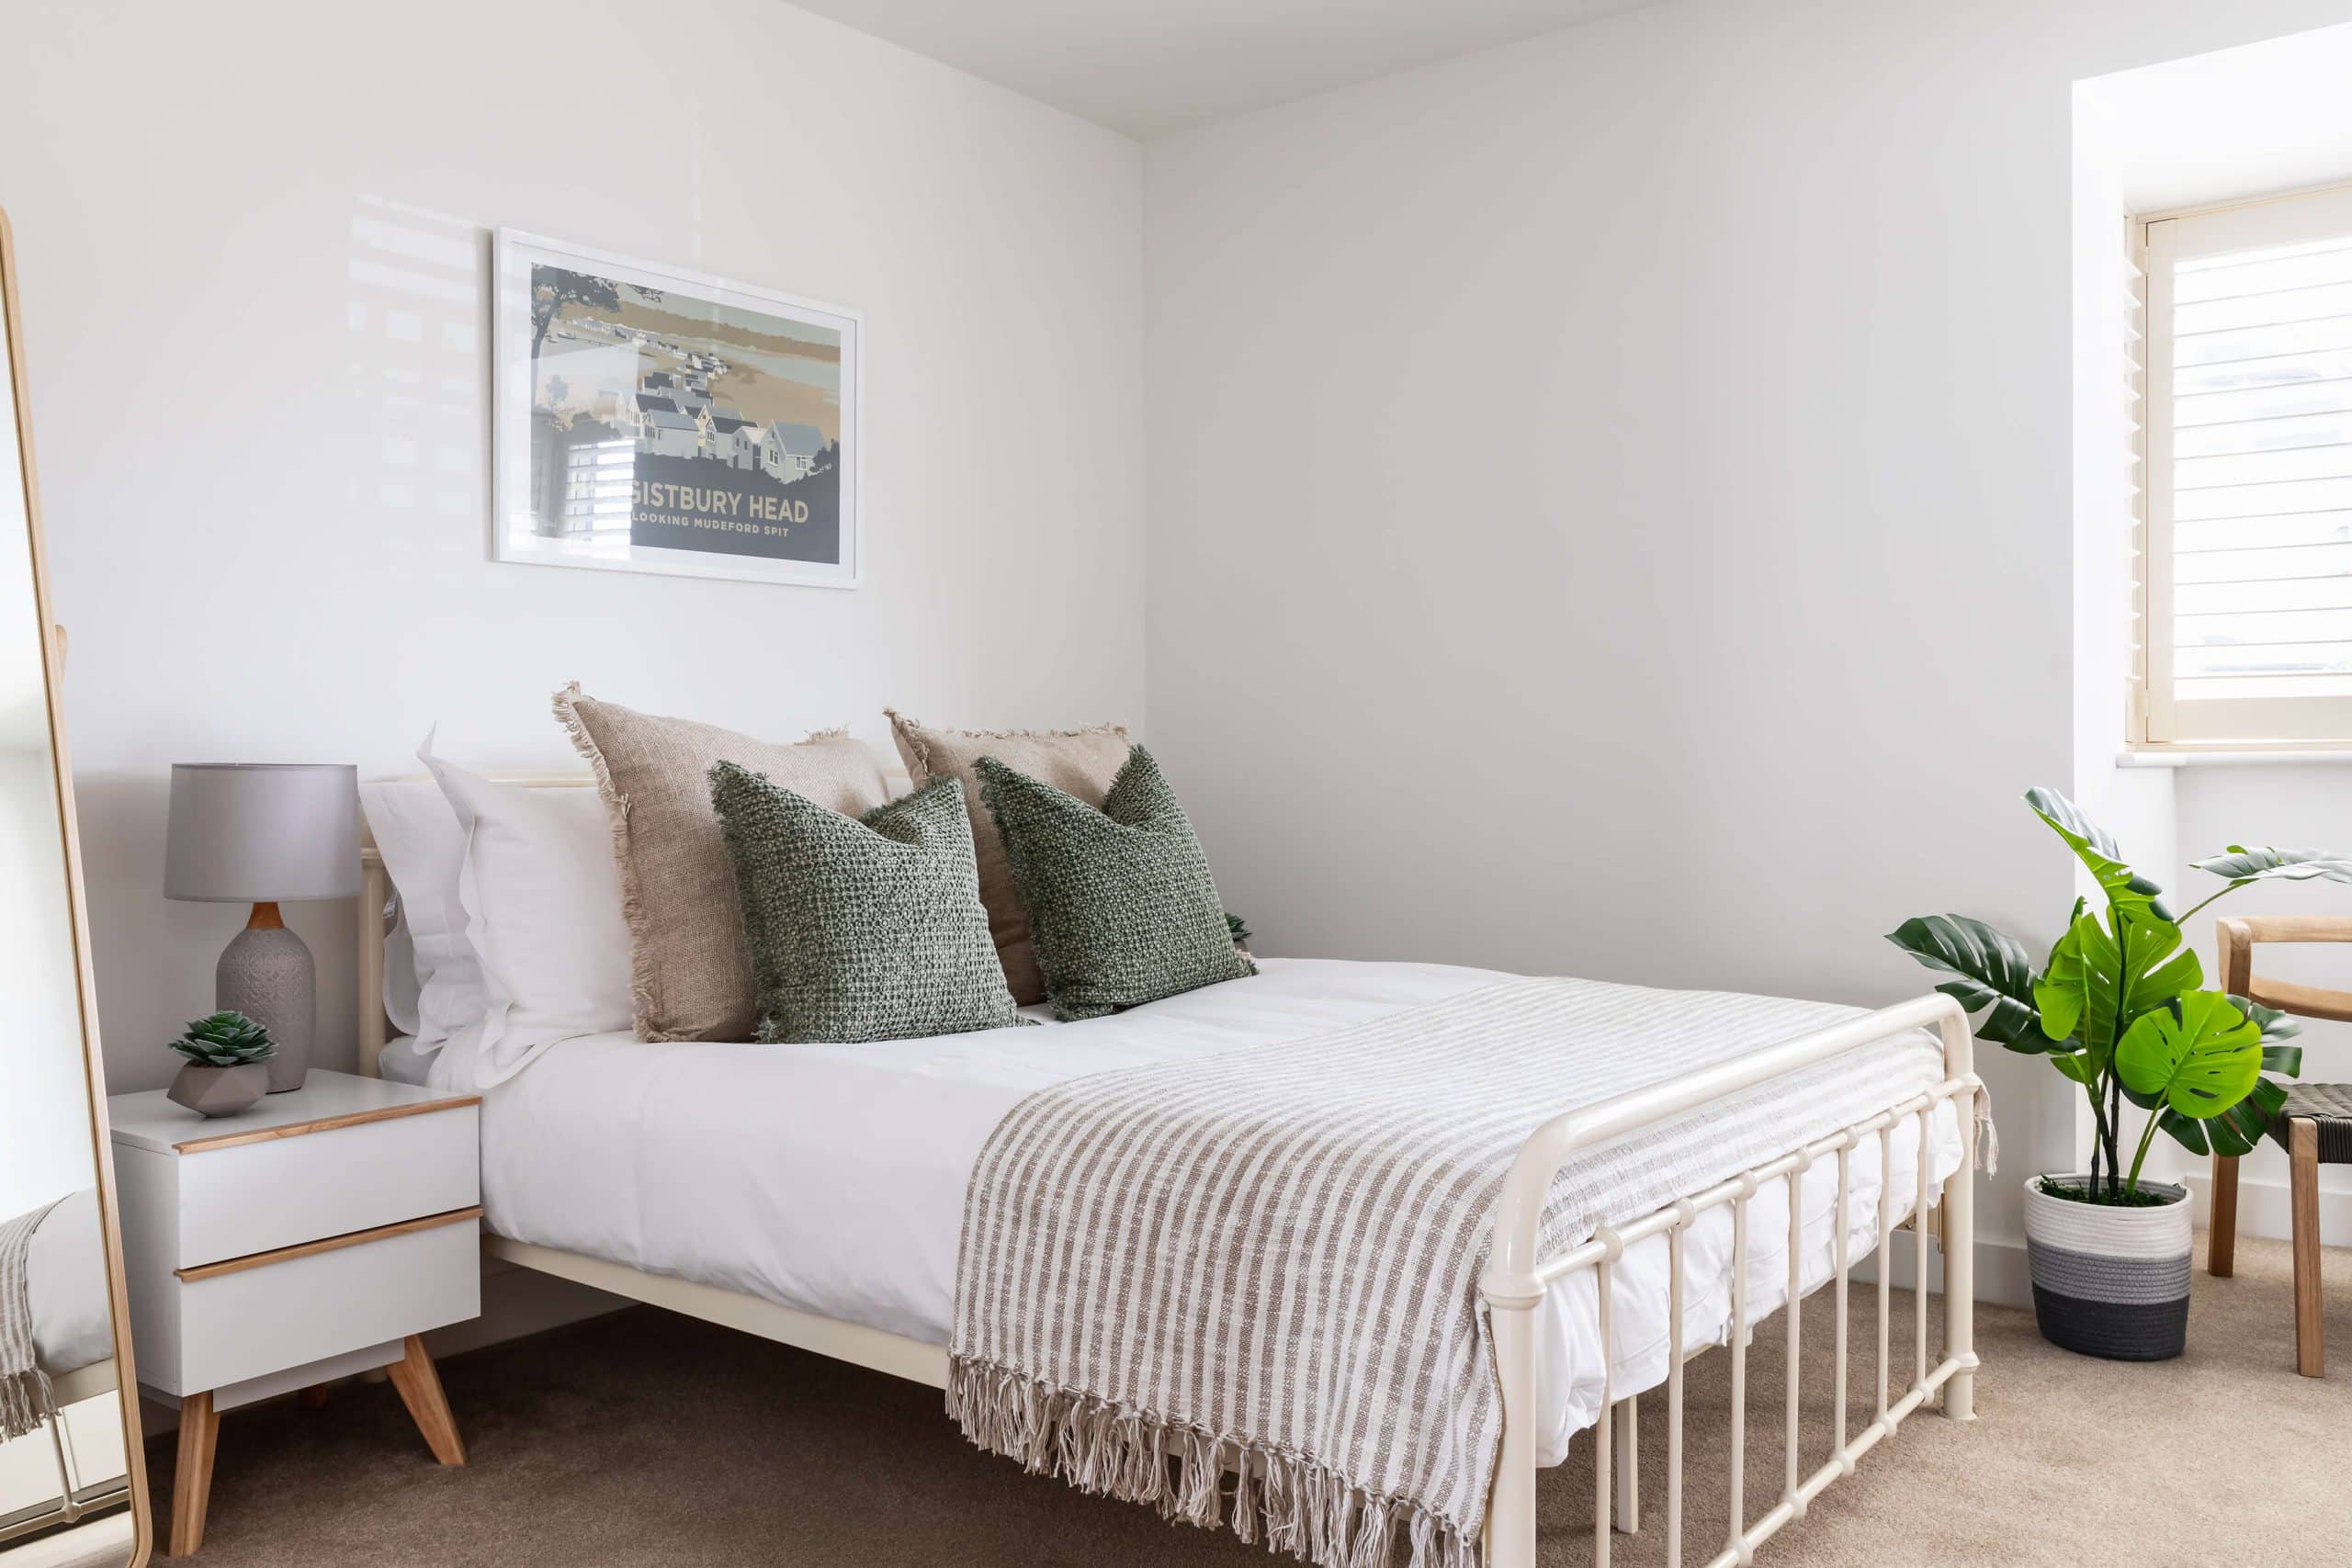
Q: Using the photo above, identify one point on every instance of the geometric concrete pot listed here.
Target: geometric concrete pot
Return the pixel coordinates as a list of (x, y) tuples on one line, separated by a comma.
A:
[(219, 1091), (2109, 1280)]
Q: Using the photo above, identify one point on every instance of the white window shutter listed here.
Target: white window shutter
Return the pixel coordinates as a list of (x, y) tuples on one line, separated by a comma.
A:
[(2248, 435)]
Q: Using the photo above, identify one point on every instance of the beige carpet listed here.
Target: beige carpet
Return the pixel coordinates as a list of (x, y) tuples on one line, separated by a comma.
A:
[(644, 1439)]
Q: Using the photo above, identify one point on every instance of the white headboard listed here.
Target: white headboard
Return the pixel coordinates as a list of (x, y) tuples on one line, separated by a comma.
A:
[(376, 893)]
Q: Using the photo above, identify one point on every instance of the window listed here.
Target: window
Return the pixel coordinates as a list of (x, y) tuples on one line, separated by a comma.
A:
[(2246, 590)]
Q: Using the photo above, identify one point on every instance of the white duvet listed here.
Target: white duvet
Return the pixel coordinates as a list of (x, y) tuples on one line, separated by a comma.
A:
[(832, 1178)]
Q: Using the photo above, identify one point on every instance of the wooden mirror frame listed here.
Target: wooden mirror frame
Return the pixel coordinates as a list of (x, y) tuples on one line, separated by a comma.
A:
[(52, 654)]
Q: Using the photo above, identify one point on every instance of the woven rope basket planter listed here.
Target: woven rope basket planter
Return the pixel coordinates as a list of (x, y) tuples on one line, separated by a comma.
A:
[(2110, 1281)]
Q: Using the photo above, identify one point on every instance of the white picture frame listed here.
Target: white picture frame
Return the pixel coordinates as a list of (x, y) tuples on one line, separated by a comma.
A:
[(685, 424)]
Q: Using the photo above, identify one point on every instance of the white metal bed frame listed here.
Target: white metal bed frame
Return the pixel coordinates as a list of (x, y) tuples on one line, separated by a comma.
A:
[(1517, 1275), (76, 1499)]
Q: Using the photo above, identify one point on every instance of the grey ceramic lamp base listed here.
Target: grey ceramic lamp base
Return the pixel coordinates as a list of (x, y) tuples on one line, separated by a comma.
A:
[(266, 974)]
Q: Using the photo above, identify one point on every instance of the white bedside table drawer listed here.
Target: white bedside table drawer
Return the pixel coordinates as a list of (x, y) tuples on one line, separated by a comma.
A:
[(244, 1323), (242, 1198), (320, 1233)]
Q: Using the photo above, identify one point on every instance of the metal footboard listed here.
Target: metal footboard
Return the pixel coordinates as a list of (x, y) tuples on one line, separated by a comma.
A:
[(1517, 1278)]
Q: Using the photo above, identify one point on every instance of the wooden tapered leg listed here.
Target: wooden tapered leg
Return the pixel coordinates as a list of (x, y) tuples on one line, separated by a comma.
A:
[(2222, 1237), (314, 1397), (2302, 1178), (192, 1481), (419, 1388)]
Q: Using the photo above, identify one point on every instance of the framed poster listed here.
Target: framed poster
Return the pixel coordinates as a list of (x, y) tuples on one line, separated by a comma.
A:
[(651, 419)]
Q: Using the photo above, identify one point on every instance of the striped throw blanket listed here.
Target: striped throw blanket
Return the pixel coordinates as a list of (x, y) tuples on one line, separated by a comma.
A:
[(1244, 1289), (25, 1397)]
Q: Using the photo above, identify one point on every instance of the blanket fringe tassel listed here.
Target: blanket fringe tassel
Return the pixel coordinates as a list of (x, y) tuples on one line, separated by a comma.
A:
[(1286, 1500), (1988, 1136), (25, 1403)]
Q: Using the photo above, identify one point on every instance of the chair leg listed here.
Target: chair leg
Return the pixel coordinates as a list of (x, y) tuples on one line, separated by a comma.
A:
[(2222, 1235), (2302, 1161)]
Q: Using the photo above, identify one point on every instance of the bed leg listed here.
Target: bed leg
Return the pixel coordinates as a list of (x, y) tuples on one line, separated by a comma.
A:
[(1628, 1475), (1960, 1237), (1511, 1507)]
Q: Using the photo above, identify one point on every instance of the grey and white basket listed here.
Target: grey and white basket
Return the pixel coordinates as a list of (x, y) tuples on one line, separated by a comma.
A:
[(2110, 1281)]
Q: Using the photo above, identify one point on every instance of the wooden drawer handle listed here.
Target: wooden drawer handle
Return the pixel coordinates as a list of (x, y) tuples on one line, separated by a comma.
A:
[(332, 1243)]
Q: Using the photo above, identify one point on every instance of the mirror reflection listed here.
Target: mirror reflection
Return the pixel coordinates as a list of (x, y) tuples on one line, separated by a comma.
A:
[(64, 1453)]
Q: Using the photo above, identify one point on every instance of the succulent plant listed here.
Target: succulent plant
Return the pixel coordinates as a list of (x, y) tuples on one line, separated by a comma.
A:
[(225, 1040), (1233, 924)]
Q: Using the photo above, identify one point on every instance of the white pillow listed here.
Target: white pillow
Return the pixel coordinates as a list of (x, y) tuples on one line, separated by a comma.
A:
[(440, 991), (542, 898)]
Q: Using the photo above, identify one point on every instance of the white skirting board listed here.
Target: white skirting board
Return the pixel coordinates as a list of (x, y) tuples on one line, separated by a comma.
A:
[(2001, 1275), (2263, 1208)]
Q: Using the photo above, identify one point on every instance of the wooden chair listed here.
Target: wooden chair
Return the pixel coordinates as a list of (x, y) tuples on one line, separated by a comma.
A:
[(2315, 1126)]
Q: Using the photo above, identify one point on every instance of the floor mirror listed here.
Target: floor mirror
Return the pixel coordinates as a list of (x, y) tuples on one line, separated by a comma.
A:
[(73, 1486)]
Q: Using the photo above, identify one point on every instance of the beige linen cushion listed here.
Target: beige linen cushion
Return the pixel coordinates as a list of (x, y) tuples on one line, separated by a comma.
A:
[(1079, 762), (690, 975)]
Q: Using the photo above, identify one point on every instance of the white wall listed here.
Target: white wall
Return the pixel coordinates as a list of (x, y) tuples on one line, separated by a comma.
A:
[(2215, 127), (252, 247), (2136, 804), (1610, 495)]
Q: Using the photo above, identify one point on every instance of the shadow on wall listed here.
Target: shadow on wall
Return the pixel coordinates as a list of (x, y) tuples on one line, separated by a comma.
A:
[(418, 317)]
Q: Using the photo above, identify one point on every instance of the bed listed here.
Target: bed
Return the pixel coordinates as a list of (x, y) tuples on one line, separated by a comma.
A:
[(66, 1280), (44, 1478), (680, 1175)]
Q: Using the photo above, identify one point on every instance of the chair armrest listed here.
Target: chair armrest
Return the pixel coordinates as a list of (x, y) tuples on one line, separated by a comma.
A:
[(2235, 937)]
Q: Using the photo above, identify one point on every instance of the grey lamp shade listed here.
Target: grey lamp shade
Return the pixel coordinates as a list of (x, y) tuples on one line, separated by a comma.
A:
[(263, 832)]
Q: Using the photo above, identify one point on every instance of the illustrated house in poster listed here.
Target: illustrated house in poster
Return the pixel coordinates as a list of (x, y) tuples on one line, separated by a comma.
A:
[(789, 452)]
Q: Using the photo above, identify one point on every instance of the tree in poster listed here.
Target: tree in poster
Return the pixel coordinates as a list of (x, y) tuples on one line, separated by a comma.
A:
[(553, 287)]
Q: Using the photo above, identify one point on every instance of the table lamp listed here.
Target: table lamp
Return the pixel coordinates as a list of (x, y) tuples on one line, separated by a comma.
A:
[(265, 833)]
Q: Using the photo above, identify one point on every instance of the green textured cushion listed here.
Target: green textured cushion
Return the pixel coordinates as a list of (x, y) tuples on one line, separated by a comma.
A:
[(861, 928), (1121, 903)]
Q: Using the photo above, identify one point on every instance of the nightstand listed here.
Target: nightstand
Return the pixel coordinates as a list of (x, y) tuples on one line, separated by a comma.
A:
[(313, 1236)]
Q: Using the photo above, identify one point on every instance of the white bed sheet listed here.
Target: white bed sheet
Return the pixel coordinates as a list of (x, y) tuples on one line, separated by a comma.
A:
[(831, 1179), (66, 1281)]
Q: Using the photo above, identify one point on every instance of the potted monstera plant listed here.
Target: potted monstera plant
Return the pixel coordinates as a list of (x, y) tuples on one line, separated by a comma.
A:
[(2119, 1008)]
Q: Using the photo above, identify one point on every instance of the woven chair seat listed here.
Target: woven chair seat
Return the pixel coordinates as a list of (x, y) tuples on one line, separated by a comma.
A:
[(2330, 1105)]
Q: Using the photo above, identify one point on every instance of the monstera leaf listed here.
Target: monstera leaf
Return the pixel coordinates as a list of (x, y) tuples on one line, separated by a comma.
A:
[(2243, 865), (2096, 848), (2201, 1056), (2234, 1131), (1996, 976), (2277, 1057), (2276, 1026), (2237, 1130), (2090, 970), (2080, 1066)]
